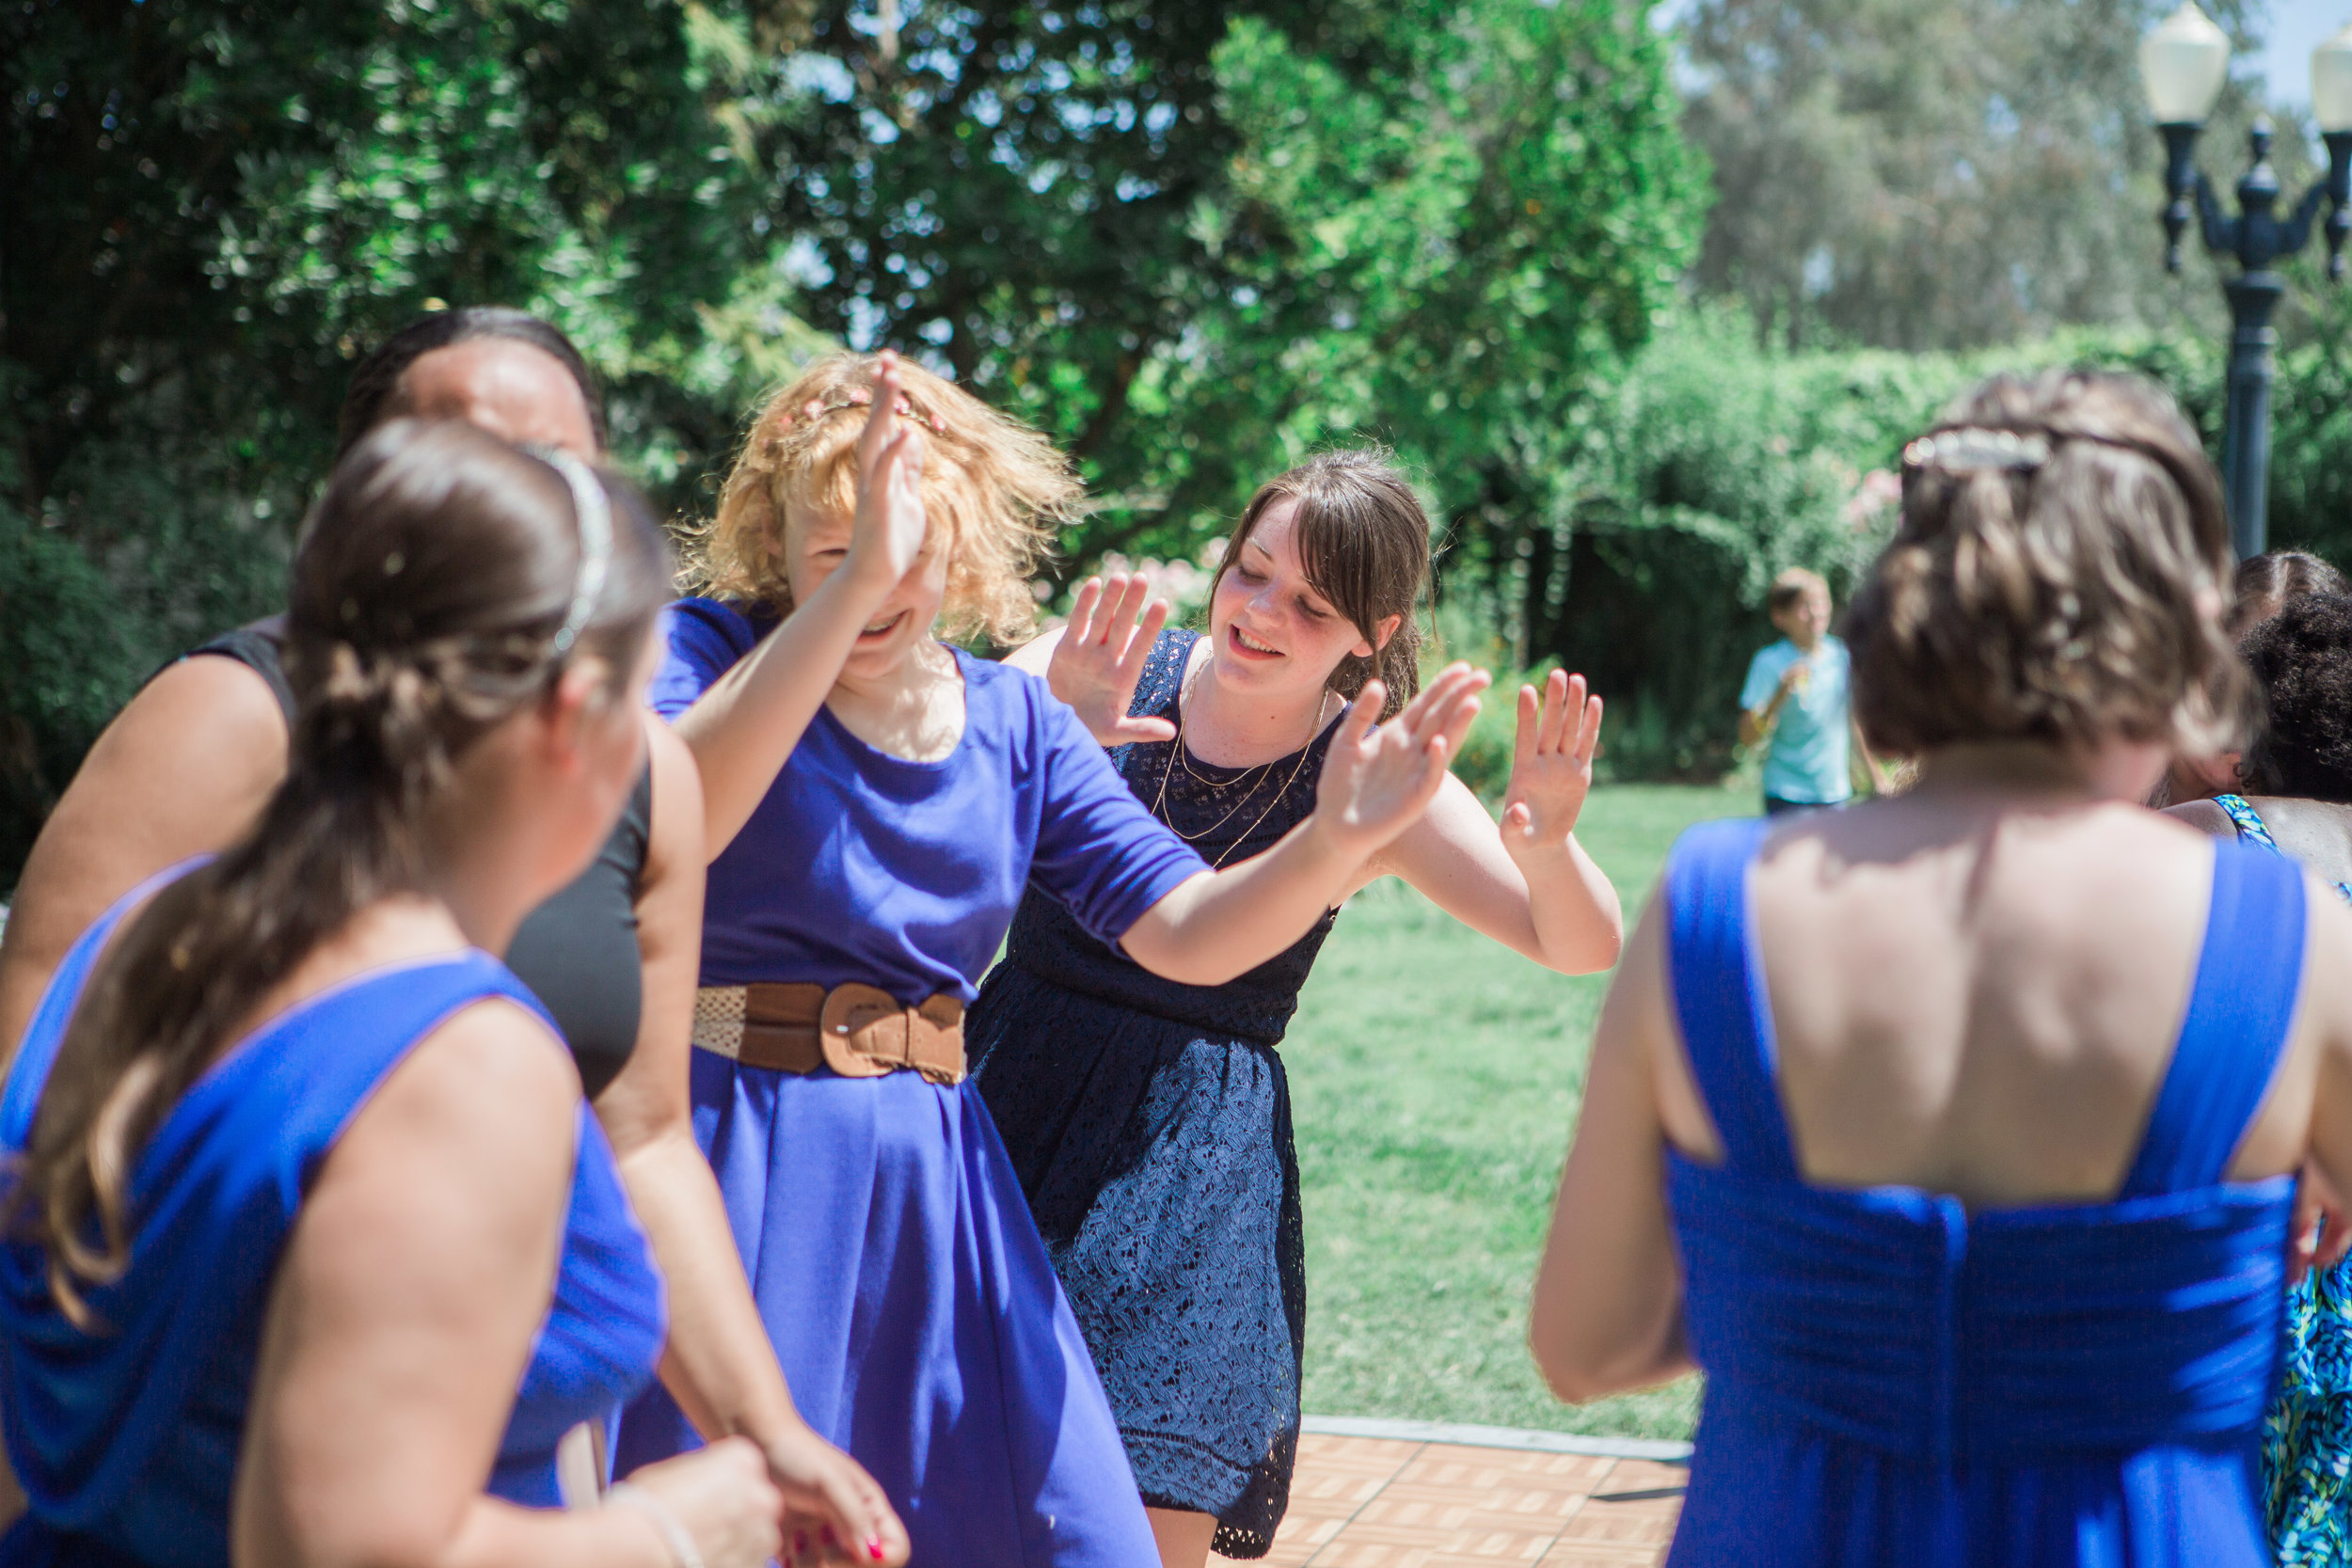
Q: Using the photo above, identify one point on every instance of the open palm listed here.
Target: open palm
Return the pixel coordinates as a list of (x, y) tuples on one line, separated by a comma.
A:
[(1376, 782), (1101, 657), (890, 527), (1551, 764)]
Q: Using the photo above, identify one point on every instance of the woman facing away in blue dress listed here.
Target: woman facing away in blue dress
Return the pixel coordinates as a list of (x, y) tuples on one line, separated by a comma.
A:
[(1150, 1120), (314, 1252), (2297, 772), (881, 799), (1954, 1135)]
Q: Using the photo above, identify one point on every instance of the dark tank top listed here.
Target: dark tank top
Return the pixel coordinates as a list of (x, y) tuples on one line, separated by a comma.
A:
[(577, 952), (1228, 814)]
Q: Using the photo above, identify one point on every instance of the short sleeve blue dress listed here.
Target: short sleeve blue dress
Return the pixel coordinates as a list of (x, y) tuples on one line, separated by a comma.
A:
[(1896, 1380), (902, 1282), (126, 1438), (1150, 1123)]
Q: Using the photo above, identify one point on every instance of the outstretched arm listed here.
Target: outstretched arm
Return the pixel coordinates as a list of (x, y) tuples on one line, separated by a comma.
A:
[(717, 1362), (744, 729), (1222, 924), (1529, 884)]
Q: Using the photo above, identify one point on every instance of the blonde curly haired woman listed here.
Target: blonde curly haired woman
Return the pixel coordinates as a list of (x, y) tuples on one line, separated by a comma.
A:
[(880, 799)]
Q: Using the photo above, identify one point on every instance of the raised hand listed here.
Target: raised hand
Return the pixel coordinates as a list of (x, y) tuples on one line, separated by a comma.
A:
[(1551, 764), (1376, 782), (890, 528), (1100, 655)]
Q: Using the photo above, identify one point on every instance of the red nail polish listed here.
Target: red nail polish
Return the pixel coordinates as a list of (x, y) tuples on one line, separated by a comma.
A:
[(873, 1549)]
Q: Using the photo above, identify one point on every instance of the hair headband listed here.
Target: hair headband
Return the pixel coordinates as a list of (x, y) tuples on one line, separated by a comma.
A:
[(593, 509), (858, 397)]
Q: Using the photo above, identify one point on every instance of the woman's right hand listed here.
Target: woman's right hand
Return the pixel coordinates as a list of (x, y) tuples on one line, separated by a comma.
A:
[(1101, 657), (890, 528), (1377, 782), (722, 1497)]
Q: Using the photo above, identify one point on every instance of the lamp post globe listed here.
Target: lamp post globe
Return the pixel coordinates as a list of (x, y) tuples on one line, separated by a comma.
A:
[(2183, 64)]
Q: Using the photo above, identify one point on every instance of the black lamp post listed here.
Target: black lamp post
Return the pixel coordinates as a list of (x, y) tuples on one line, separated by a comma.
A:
[(2184, 62)]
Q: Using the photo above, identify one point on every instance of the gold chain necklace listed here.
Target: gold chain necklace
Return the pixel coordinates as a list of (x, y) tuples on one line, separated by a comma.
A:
[(1176, 749)]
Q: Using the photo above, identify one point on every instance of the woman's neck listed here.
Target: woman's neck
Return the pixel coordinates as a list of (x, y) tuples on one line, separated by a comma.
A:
[(913, 710), (2110, 770), (1232, 730)]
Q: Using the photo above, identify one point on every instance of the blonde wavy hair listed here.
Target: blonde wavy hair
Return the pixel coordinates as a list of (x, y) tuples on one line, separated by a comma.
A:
[(1001, 491)]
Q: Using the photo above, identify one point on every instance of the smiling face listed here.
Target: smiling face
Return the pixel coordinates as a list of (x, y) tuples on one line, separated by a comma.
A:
[(1274, 634), (816, 542)]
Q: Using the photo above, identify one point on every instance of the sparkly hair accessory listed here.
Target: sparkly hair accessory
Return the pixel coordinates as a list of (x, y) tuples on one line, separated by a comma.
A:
[(1968, 448), (861, 397), (594, 510)]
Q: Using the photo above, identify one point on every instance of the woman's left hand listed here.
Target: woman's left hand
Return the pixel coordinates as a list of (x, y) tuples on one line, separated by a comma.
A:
[(1552, 764)]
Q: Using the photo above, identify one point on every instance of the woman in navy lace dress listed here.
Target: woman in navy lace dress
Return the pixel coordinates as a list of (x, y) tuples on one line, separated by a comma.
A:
[(1150, 1121)]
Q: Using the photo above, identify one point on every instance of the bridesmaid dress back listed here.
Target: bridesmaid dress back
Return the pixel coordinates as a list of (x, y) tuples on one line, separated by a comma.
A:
[(1893, 1379), (126, 1436)]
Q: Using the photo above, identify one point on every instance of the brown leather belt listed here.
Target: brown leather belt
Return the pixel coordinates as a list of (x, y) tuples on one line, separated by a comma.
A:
[(858, 1031)]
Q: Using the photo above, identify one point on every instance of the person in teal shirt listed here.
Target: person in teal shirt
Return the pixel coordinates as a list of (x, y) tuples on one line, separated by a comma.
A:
[(1798, 695)]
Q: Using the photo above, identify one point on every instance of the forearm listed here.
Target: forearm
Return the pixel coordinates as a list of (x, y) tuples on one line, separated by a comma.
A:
[(717, 1363), (499, 1535), (1223, 924), (744, 729), (1572, 906)]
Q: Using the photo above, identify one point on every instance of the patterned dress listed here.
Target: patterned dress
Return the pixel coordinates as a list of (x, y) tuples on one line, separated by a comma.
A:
[(1150, 1124), (2307, 1437)]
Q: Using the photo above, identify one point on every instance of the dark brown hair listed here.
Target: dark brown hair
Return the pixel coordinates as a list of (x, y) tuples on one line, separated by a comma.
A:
[(2301, 661), (429, 589), (2057, 576), (1363, 542), (2265, 583), (371, 397)]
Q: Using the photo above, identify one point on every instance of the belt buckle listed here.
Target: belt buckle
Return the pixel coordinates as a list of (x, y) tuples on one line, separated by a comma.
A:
[(855, 1031)]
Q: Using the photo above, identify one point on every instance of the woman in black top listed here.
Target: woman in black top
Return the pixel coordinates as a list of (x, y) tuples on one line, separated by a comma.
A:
[(188, 763)]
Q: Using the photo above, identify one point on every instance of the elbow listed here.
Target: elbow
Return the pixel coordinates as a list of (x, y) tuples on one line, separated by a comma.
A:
[(1579, 1366)]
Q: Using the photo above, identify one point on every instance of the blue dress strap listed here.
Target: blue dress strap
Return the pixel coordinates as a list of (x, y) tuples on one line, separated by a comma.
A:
[(1718, 995), (2250, 974), (214, 1194)]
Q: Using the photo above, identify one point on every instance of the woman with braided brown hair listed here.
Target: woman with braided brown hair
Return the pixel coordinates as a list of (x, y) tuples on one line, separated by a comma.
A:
[(1954, 1135), (186, 766), (310, 1235)]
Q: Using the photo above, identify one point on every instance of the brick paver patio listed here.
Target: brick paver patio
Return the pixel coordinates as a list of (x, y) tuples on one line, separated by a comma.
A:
[(1368, 1502)]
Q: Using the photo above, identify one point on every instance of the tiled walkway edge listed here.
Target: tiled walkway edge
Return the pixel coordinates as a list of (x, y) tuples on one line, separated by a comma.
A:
[(1381, 1493)]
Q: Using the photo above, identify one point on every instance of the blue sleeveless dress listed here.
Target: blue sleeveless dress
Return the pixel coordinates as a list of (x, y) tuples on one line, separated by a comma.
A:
[(1150, 1124), (2307, 1438), (1893, 1379), (126, 1439)]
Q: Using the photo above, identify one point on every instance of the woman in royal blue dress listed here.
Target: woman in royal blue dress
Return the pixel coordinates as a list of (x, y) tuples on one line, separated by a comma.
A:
[(881, 799), (314, 1252), (1954, 1136), (1150, 1120)]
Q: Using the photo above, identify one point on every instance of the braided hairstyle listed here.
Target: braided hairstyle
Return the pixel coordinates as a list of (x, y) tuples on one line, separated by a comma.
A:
[(374, 394), (2058, 576), (430, 593)]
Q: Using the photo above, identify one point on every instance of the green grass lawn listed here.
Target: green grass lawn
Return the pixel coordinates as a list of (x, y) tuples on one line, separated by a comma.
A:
[(1437, 1077)]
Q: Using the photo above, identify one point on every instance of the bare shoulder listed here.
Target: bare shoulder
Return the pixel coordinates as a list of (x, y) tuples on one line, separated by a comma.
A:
[(1036, 655), (490, 1089), (211, 711), (2203, 816)]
